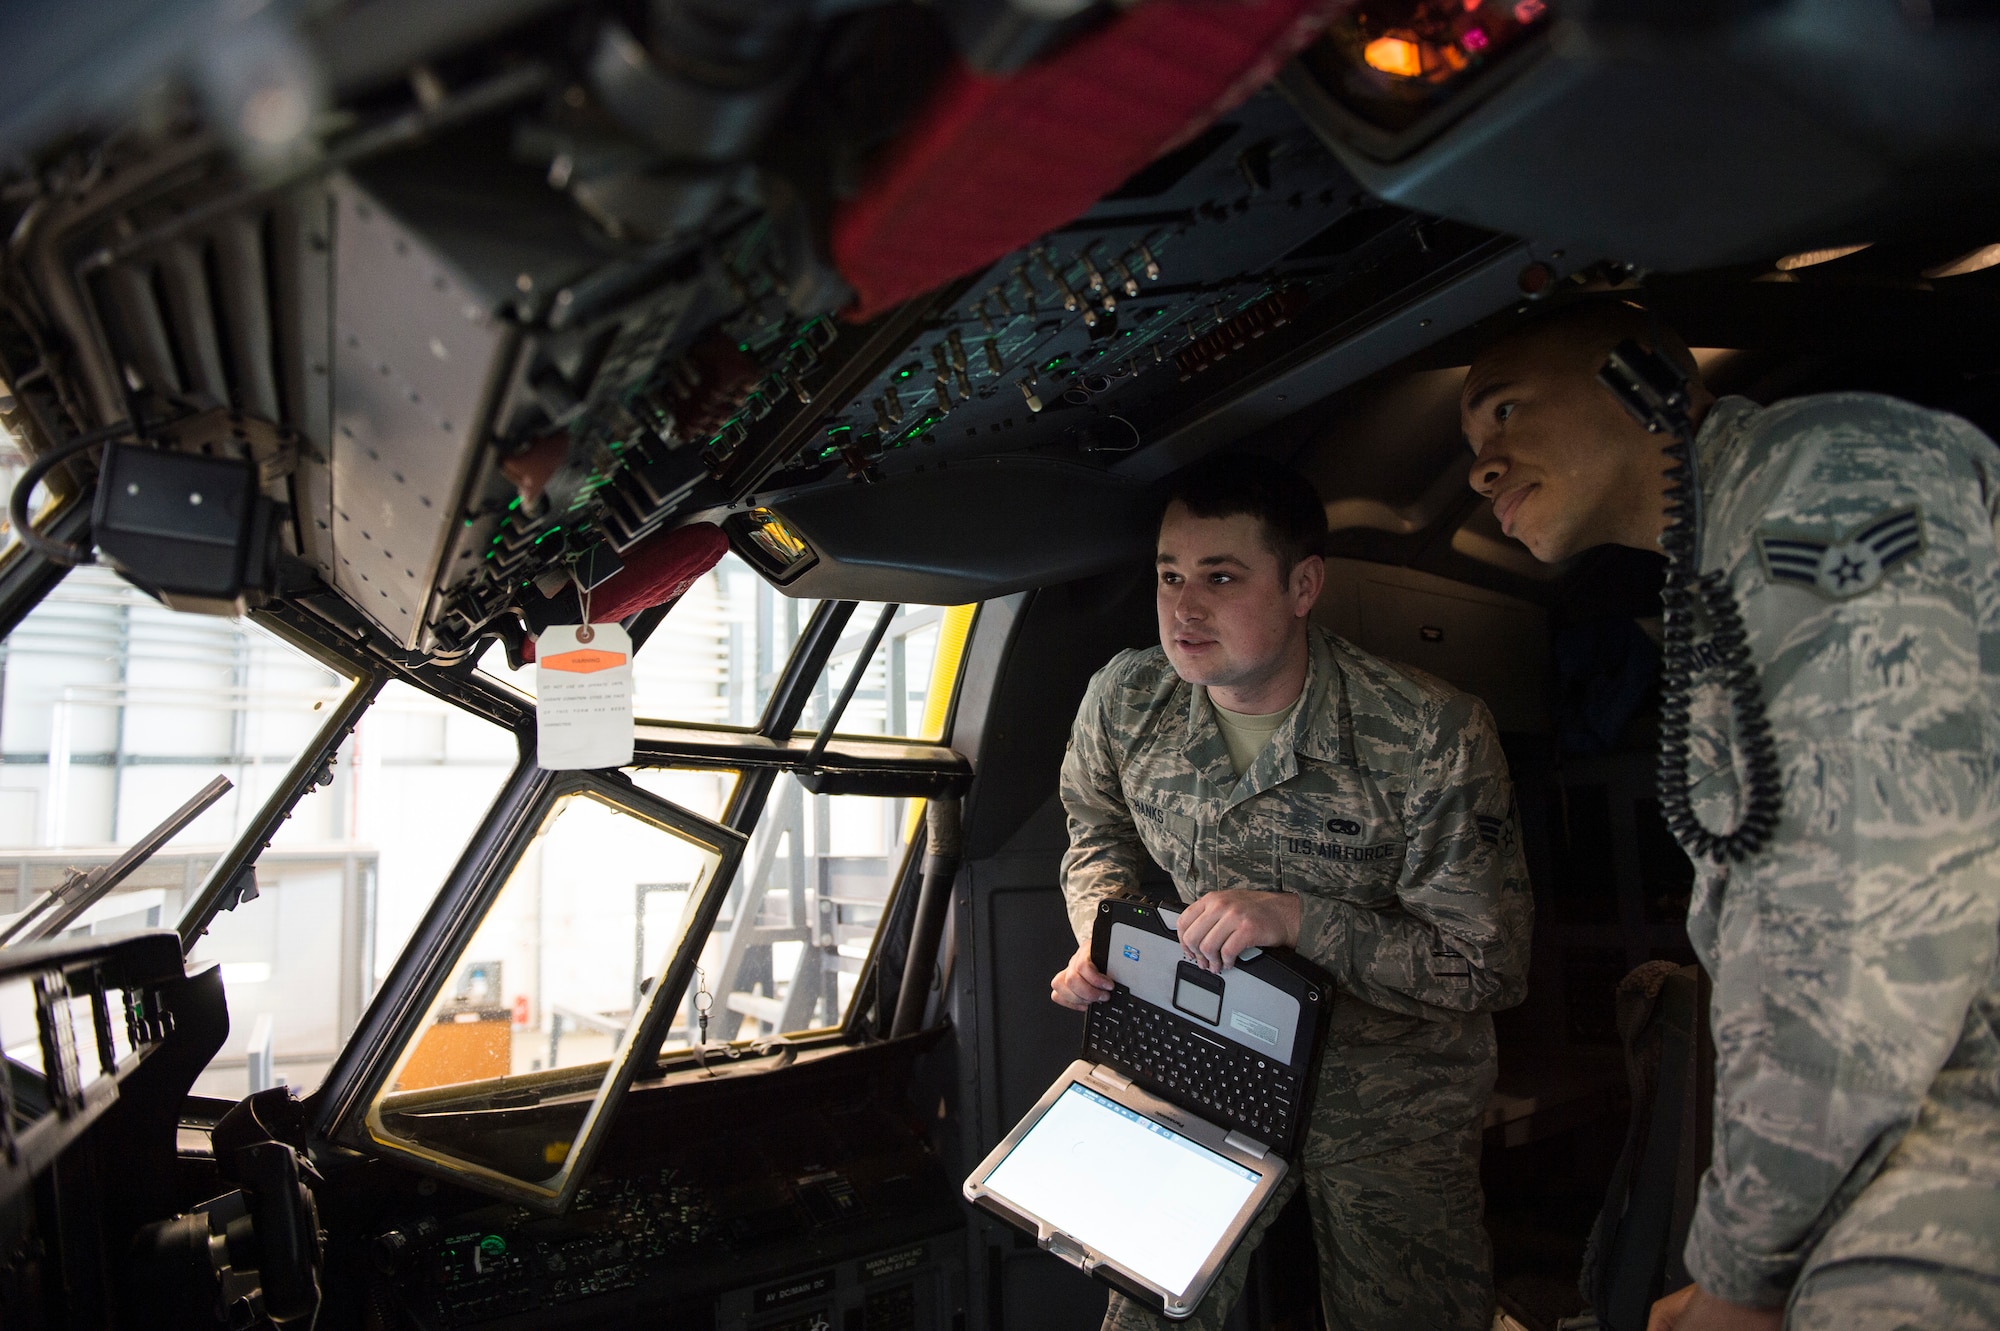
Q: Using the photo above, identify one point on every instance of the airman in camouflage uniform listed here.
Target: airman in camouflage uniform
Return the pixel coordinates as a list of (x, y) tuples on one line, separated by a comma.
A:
[(1856, 997), (1384, 803), (1855, 1174)]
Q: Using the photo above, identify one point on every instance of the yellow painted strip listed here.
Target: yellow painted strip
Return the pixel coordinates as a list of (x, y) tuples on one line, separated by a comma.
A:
[(954, 631)]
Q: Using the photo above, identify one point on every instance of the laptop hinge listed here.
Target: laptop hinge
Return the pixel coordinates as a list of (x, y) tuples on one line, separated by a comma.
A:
[(1256, 1150), (1116, 1080)]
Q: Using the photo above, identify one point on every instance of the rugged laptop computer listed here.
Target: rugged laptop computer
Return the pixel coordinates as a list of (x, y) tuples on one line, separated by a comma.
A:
[(1150, 1156)]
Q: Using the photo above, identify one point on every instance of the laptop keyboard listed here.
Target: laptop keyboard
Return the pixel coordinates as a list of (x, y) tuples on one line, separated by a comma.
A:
[(1225, 1082)]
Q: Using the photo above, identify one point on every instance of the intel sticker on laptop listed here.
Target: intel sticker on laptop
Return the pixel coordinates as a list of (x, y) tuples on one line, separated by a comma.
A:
[(1131, 953)]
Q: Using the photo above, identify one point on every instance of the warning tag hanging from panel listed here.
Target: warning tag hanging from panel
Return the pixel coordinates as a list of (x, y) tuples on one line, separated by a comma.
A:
[(583, 697)]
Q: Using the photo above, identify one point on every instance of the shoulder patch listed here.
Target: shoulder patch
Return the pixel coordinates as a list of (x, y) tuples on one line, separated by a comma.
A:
[(1854, 564)]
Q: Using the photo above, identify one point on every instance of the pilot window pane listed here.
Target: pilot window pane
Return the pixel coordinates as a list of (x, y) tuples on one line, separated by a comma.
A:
[(113, 712), (799, 923), (911, 674), (535, 1008), (344, 882), (718, 654)]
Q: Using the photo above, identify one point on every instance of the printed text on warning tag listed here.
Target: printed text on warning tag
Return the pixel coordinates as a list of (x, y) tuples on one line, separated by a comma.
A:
[(583, 698)]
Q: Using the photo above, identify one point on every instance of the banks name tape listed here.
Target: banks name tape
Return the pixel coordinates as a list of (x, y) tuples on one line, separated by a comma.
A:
[(583, 698)]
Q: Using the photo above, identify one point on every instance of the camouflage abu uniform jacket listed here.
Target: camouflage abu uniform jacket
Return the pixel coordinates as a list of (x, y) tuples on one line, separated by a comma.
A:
[(1384, 803), (1856, 998)]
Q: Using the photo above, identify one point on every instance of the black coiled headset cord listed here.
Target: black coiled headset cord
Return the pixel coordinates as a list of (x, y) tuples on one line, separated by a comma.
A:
[(1655, 391)]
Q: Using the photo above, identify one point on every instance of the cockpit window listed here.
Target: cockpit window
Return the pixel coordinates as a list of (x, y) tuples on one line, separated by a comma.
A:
[(620, 920), (343, 884), (908, 684), (507, 1071), (114, 711), (715, 659), (800, 920)]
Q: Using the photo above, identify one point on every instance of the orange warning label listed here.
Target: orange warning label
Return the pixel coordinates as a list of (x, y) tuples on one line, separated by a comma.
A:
[(584, 662)]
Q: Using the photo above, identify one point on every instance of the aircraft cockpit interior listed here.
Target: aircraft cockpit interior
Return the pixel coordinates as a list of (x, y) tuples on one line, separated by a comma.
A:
[(555, 546)]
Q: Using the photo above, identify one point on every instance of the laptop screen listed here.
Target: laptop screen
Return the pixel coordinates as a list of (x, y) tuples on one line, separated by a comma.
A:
[(1146, 1197)]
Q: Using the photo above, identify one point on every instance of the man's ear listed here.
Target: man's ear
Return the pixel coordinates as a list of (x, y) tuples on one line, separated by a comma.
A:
[(1308, 580)]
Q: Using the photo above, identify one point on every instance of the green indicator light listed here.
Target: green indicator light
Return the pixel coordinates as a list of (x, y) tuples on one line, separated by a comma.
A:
[(838, 429), (1052, 364), (513, 503), (550, 532), (468, 522), (493, 1245), (743, 346), (902, 374)]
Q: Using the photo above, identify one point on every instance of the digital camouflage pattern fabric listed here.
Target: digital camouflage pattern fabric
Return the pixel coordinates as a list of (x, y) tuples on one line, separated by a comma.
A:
[(1857, 1005), (1400, 1239), (1384, 802)]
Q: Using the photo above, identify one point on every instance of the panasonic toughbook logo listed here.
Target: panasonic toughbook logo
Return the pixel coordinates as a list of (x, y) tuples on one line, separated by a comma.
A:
[(1333, 850)]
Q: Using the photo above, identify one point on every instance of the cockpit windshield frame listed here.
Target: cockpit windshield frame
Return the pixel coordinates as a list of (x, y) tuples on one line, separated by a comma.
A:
[(524, 807), (844, 765)]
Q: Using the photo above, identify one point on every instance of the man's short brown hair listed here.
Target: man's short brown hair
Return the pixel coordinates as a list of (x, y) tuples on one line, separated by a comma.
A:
[(1287, 507)]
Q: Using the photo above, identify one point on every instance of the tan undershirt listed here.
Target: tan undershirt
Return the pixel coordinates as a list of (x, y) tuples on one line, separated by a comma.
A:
[(1246, 734)]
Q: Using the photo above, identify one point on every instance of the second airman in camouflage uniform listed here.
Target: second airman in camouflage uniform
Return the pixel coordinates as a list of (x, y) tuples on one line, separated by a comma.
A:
[(1857, 1003), (1383, 803), (1854, 1181)]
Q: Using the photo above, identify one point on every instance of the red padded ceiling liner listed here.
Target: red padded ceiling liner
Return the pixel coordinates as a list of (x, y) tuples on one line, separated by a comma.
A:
[(992, 163)]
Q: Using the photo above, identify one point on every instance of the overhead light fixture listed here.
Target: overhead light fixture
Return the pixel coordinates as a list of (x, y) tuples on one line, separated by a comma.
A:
[(770, 544), (1983, 257), (1807, 258), (769, 531)]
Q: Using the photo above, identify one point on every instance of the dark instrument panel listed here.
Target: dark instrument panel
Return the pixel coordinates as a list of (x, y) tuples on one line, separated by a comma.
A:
[(802, 1197)]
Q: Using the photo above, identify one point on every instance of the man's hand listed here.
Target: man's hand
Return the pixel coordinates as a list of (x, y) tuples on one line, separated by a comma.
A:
[(1221, 926), (1690, 1309), (1080, 983)]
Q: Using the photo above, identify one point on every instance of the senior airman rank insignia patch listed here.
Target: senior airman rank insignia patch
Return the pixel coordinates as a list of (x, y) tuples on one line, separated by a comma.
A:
[(1850, 566)]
